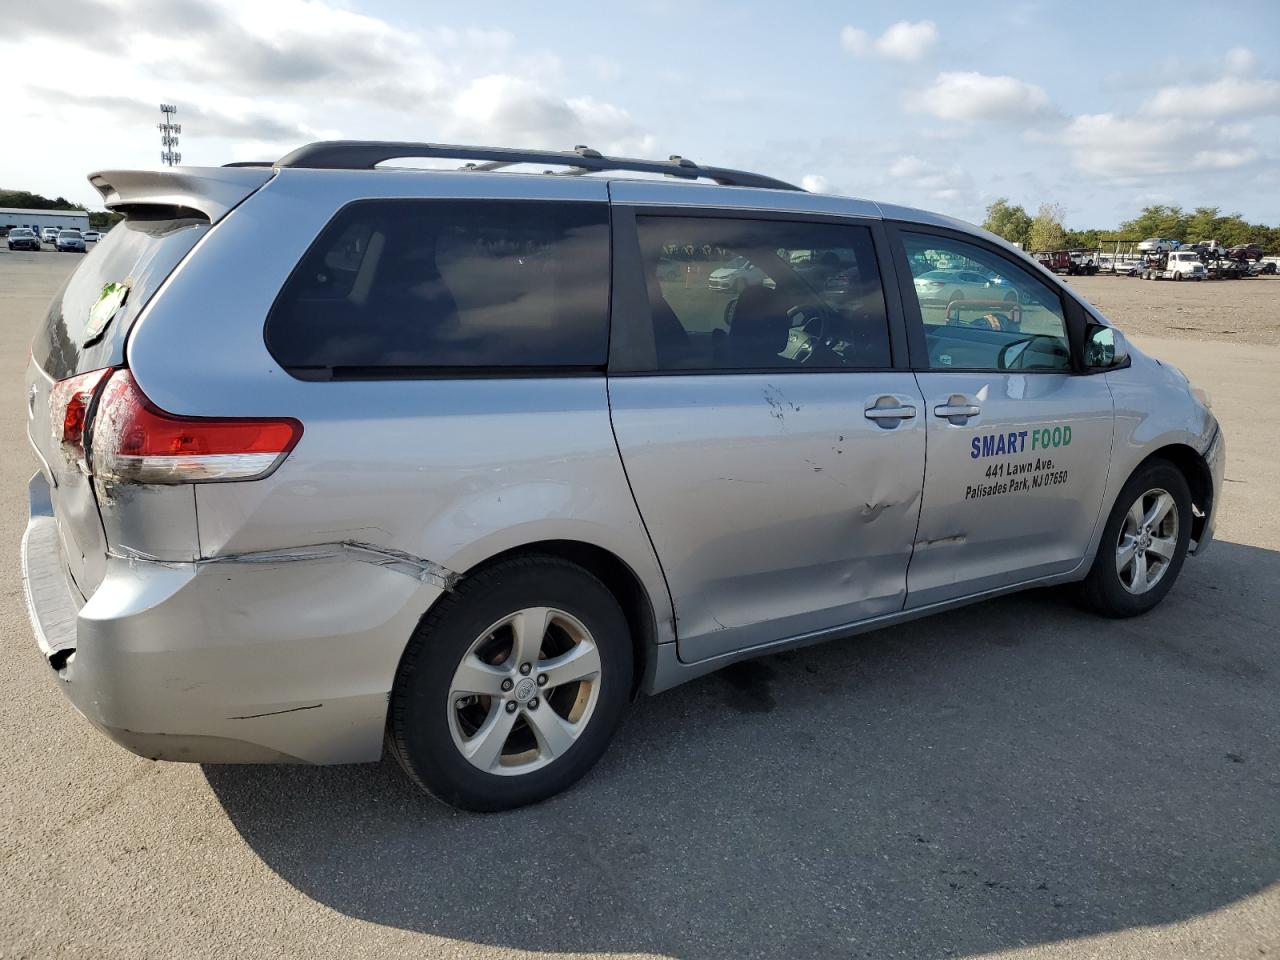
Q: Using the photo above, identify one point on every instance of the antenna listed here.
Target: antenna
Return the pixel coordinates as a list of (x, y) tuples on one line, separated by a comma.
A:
[(169, 131)]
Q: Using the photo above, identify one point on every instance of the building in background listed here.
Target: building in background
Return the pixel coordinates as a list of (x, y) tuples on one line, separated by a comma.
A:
[(39, 219)]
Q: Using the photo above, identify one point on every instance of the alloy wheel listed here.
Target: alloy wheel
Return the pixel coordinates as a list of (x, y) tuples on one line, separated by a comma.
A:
[(524, 691), (1148, 541)]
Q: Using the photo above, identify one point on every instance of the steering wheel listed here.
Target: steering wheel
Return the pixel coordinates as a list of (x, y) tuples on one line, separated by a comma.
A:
[(811, 324)]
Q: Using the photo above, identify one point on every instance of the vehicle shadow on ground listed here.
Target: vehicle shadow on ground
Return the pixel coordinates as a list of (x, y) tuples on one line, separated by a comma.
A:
[(1017, 772)]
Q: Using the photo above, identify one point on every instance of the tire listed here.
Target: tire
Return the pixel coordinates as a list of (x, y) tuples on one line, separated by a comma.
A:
[(427, 728), (1177, 276), (1108, 590)]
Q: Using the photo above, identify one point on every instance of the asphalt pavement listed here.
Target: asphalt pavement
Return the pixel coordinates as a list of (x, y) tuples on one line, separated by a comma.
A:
[(1018, 777)]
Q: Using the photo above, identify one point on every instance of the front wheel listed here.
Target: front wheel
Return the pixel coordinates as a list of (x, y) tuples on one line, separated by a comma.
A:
[(1143, 544), (512, 685)]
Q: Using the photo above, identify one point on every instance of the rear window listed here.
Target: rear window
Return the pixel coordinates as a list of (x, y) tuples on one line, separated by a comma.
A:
[(124, 269), (405, 287)]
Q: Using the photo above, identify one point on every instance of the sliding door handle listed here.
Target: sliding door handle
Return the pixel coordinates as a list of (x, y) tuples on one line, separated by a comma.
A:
[(889, 413)]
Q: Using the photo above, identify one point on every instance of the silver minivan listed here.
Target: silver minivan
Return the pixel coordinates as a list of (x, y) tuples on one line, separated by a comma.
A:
[(334, 457)]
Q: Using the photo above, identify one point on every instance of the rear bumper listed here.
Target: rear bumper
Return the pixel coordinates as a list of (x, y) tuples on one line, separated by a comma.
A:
[(224, 662)]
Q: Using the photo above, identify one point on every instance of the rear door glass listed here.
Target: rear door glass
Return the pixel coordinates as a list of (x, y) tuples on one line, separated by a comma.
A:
[(392, 287), (123, 271)]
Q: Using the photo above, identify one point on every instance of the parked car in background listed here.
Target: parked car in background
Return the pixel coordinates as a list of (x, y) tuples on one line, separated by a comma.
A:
[(1157, 245), (1245, 251), (49, 234), (950, 286), (736, 275), (1211, 248), (69, 241), (92, 236), (1263, 267), (241, 549), (20, 238)]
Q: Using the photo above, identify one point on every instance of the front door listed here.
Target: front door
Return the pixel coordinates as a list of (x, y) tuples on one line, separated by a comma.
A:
[(1018, 442), (774, 451)]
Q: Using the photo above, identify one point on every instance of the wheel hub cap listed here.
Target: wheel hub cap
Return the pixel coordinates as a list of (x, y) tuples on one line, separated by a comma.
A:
[(525, 690)]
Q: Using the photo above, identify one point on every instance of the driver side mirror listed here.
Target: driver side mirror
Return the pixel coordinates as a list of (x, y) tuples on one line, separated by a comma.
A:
[(1105, 348)]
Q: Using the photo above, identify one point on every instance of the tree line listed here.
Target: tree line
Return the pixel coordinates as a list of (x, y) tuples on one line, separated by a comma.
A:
[(1045, 231), (25, 200)]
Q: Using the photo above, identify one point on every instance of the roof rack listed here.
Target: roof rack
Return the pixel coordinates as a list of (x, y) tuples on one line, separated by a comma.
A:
[(367, 154)]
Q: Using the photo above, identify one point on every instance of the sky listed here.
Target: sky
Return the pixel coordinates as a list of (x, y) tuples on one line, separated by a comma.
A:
[(1100, 108)]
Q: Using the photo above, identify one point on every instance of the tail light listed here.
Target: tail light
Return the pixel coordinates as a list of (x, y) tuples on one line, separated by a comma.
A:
[(134, 441), (69, 403)]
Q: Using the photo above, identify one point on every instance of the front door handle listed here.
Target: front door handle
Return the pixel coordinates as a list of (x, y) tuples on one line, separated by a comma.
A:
[(957, 410)]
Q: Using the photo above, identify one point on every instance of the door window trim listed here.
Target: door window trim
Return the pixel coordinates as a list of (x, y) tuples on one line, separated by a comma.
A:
[(1072, 312), (632, 350)]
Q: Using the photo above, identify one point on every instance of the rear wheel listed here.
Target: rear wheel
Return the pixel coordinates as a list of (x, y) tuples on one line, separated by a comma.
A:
[(512, 685), (1143, 544)]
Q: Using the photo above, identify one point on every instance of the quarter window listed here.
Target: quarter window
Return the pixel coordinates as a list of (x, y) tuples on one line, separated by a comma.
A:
[(982, 311), (740, 294), (397, 286)]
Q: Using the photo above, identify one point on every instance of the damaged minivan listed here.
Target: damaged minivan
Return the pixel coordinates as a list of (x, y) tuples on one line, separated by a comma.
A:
[(335, 457)]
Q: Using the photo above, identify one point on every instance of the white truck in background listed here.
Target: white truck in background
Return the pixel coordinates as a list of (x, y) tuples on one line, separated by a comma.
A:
[(1175, 265)]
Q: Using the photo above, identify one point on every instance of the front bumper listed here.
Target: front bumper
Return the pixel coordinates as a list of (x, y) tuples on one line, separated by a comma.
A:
[(223, 662), (1215, 457)]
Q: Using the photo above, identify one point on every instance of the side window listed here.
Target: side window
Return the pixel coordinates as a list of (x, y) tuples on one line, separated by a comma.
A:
[(426, 284), (982, 311), (738, 294)]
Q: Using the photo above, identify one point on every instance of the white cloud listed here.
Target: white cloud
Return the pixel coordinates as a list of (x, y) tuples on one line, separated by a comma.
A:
[(931, 180), (303, 67), (1239, 60), (978, 96), (904, 41), (815, 183), (855, 41), (515, 111), (1114, 147), (1229, 96)]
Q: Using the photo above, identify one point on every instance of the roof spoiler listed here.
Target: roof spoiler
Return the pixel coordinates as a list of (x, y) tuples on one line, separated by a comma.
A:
[(212, 191)]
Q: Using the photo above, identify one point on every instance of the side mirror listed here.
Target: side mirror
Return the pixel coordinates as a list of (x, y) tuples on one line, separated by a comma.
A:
[(1104, 348)]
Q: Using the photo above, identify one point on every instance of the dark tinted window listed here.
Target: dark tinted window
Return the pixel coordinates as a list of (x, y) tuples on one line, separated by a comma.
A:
[(738, 294), (420, 284), (138, 254)]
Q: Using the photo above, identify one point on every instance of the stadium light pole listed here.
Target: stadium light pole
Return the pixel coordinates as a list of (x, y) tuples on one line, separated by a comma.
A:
[(169, 130)]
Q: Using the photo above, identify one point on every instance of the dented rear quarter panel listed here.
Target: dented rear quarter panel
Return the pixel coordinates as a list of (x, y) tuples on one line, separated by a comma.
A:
[(452, 471)]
